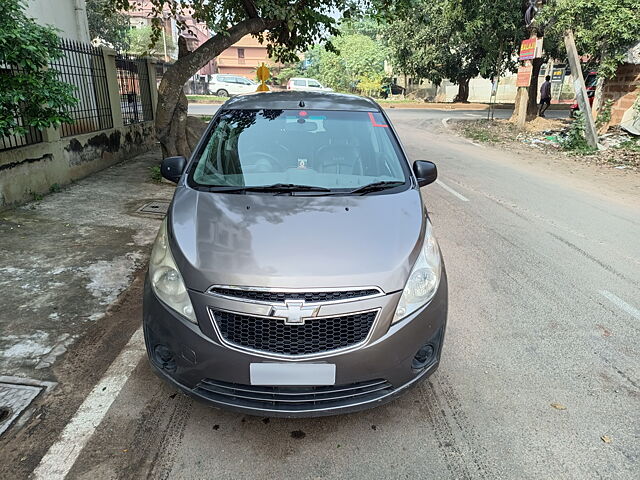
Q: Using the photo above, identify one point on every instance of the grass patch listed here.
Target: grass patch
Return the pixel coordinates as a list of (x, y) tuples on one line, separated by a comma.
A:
[(631, 145), (206, 99), (480, 131), (154, 174), (55, 188)]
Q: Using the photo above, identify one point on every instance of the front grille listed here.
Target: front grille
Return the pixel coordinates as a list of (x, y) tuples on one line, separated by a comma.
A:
[(280, 297), (293, 398), (315, 336)]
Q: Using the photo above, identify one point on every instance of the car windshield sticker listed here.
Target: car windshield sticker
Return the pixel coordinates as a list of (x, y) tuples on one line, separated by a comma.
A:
[(374, 122)]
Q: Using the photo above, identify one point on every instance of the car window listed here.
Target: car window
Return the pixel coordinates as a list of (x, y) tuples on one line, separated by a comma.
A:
[(225, 79), (299, 83), (337, 150), (313, 83)]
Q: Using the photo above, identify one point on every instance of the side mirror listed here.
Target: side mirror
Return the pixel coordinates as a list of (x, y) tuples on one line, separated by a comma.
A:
[(426, 172), (171, 168)]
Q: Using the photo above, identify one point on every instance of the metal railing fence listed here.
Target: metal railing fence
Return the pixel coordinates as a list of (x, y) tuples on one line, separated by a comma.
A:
[(135, 90)]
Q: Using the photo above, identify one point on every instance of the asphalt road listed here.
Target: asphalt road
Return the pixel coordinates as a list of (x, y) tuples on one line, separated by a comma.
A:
[(544, 275)]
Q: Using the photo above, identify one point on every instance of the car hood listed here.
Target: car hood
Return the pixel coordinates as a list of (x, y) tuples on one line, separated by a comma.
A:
[(282, 241)]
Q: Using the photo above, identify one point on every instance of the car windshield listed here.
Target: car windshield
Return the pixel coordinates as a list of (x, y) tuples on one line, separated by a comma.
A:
[(332, 151)]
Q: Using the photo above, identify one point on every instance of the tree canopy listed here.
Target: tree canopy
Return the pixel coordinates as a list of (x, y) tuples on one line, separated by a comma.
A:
[(603, 29), (31, 95), (357, 65), (109, 26), (140, 43), (456, 39)]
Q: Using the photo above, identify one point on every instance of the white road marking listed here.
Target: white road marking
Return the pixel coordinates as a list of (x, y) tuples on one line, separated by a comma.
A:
[(64, 452), (476, 144), (445, 122), (452, 191), (621, 304), (473, 115)]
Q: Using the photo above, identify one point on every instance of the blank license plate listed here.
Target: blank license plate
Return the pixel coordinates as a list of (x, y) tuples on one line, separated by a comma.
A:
[(292, 374)]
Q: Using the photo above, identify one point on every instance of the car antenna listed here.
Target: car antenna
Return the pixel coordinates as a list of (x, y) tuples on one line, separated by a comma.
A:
[(301, 104)]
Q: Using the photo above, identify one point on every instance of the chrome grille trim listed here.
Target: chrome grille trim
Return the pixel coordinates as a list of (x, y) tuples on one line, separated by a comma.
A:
[(359, 293)]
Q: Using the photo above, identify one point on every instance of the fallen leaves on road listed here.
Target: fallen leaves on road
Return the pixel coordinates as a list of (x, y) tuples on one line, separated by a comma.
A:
[(558, 406), (606, 438)]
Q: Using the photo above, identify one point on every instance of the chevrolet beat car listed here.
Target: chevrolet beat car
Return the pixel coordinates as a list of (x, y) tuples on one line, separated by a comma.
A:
[(296, 272)]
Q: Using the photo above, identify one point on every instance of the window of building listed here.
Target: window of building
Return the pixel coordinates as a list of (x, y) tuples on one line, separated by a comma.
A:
[(241, 53)]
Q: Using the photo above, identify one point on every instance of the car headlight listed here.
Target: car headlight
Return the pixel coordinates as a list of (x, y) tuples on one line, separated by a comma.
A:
[(165, 277), (424, 278)]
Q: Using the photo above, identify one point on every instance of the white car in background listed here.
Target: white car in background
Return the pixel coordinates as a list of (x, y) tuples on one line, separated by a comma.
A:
[(225, 85), (307, 85)]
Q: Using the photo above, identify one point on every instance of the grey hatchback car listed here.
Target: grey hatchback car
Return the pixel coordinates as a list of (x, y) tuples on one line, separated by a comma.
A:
[(296, 272)]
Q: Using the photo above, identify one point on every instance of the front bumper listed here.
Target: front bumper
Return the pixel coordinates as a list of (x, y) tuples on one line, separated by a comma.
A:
[(371, 375)]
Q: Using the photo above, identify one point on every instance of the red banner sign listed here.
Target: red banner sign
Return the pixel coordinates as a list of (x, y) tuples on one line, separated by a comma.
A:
[(524, 76), (528, 49)]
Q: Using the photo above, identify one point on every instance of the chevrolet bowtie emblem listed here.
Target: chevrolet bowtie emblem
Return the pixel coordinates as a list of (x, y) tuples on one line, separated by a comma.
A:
[(293, 312)]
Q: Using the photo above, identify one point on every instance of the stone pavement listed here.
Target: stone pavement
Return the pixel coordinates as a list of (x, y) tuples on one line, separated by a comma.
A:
[(65, 259)]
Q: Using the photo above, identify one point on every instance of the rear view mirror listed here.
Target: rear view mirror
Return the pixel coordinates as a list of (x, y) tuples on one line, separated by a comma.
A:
[(172, 168), (425, 171)]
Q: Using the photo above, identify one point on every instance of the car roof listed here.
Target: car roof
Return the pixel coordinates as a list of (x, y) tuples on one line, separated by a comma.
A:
[(293, 99)]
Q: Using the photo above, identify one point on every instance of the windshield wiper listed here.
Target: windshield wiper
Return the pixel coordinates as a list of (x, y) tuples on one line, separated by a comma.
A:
[(375, 187), (276, 187)]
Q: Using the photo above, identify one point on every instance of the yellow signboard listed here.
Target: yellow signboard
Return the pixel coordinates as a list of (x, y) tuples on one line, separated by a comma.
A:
[(263, 75)]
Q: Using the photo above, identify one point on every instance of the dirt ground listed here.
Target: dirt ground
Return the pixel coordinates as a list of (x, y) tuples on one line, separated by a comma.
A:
[(621, 150)]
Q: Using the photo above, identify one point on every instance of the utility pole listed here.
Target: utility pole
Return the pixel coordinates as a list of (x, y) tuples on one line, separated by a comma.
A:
[(581, 92)]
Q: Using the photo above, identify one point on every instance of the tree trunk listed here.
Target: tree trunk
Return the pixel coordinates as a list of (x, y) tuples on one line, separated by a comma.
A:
[(532, 105), (463, 91), (171, 115)]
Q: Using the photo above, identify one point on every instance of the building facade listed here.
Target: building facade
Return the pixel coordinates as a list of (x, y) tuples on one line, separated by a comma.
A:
[(243, 58), (68, 16)]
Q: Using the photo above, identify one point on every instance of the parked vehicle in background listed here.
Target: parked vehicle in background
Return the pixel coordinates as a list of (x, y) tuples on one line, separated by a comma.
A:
[(307, 85), (224, 85), (590, 81)]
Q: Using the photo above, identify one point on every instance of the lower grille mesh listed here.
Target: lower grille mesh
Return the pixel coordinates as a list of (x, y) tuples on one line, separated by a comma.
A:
[(292, 398), (274, 336)]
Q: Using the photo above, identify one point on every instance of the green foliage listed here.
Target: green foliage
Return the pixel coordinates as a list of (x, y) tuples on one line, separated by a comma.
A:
[(359, 65), (36, 197), (142, 42), (604, 115), (456, 39), (288, 71), (155, 174), (109, 26), (55, 188), (604, 29), (31, 91), (576, 140)]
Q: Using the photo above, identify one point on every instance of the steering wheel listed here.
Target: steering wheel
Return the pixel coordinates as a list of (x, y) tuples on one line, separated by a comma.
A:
[(262, 160)]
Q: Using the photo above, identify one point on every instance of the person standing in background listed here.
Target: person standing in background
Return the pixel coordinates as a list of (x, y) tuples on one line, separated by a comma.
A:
[(545, 96)]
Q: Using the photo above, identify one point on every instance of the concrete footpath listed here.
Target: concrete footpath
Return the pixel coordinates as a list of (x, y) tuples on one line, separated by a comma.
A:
[(64, 261)]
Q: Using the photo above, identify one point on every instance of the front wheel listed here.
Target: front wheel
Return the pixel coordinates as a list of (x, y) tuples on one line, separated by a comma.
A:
[(222, 93)]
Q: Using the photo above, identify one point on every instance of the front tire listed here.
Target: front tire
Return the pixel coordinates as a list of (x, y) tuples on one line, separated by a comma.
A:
[(222, 93)]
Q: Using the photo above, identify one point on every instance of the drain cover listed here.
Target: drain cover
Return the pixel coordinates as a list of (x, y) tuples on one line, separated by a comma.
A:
[(157, 207), (13, 400)]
